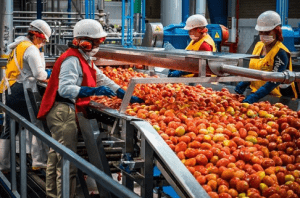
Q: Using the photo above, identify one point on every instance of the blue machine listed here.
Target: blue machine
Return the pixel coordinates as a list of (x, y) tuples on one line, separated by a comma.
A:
[(288, 37), (291, 37)]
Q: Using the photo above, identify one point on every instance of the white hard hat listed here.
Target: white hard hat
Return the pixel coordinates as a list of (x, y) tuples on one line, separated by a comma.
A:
[(41, 26), (195, 21), (89, 28), (267, 21)]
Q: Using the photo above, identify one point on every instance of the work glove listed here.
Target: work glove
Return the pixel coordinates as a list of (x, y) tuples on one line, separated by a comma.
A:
[(134, 99), (251, 98), (260, 93), (98, 91), (176, 73), (241, 87), (49, 72)]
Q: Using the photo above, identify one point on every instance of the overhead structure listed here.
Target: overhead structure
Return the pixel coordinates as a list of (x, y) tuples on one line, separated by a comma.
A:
[(133, 19), (90, 9)]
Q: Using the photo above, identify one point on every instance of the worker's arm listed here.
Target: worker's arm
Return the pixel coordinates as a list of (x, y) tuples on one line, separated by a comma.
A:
[(35, 62), (281, 62), (70, 78)]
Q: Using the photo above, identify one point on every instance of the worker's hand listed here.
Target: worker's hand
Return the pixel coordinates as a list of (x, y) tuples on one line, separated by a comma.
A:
[(49, 72), (241, 87), (134, 99), (175, 73), (98, 91), (251, 98), (104, 91)]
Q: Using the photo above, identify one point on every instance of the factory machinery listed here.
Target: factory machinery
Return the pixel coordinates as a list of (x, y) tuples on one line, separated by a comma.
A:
[(118, 142)]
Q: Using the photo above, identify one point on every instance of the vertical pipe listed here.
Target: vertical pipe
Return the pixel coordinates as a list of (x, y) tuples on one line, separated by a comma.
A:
[(69, 8), (185, 10), (52, 5), (131, 21), (232, 20), (65, 178), (39, 9), (13, 174), (192, 5), (86, 9), (282, 7), (93, 9), (128, 21), (23, 162), (6, 26), (58, 5), (90, 8), (137, 15), (171, 12), (123, 22), (143, 15), (201, 7)]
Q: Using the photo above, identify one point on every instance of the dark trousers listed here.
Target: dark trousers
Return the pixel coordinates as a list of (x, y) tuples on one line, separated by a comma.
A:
[(16, 101)]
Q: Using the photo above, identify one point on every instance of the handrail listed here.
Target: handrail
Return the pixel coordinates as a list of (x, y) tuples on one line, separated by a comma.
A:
[(68, 156), (187, 184)]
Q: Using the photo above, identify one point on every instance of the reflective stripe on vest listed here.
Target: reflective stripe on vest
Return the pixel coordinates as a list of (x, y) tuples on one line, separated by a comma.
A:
[(266, 64), (196, 46)]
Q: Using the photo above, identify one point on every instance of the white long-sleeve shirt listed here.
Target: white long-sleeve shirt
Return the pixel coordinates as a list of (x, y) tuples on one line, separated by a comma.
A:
[(70, 77), (33, 61)]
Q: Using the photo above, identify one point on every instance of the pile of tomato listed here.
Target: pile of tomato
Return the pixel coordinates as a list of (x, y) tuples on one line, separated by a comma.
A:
[(233, 149)]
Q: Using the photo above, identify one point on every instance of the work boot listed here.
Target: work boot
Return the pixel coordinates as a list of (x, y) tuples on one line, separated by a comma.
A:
[(38, 154), (4, 154)]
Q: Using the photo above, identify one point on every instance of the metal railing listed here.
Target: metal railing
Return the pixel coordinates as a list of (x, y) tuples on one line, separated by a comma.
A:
[(68, 156)]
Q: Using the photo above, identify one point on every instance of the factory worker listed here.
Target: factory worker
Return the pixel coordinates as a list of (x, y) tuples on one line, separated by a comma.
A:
[(74, 79), (274, 56), (200, 40), (25, 65)]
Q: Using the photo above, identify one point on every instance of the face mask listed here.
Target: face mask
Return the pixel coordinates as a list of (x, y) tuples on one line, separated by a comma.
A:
[(266, 39), (193, 37), (93, 52)]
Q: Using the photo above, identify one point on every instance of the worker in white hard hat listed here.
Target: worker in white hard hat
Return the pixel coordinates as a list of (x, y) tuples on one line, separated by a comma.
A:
[(274, 56), (200, 40), (25, 65), (74, 79)]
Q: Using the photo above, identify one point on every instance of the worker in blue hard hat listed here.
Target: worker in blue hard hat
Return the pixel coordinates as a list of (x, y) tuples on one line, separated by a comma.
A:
[(200, 40), (274, 56)]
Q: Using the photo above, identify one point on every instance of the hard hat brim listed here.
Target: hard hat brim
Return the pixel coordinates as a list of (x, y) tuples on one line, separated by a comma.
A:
[(187, 28), (266, 28)]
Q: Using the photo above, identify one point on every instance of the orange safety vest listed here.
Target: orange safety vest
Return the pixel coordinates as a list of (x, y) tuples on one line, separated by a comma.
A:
[(14, 65), (195, 46), (266, 64)]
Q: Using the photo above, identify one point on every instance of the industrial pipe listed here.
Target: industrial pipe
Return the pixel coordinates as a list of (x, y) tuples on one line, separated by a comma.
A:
[(201, 7), (285, 77), (190, 65), (6, 26)]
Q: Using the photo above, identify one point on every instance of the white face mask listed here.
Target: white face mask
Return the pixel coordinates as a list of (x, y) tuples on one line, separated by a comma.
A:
[(193, 37), (93, 52), (266, 39)]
